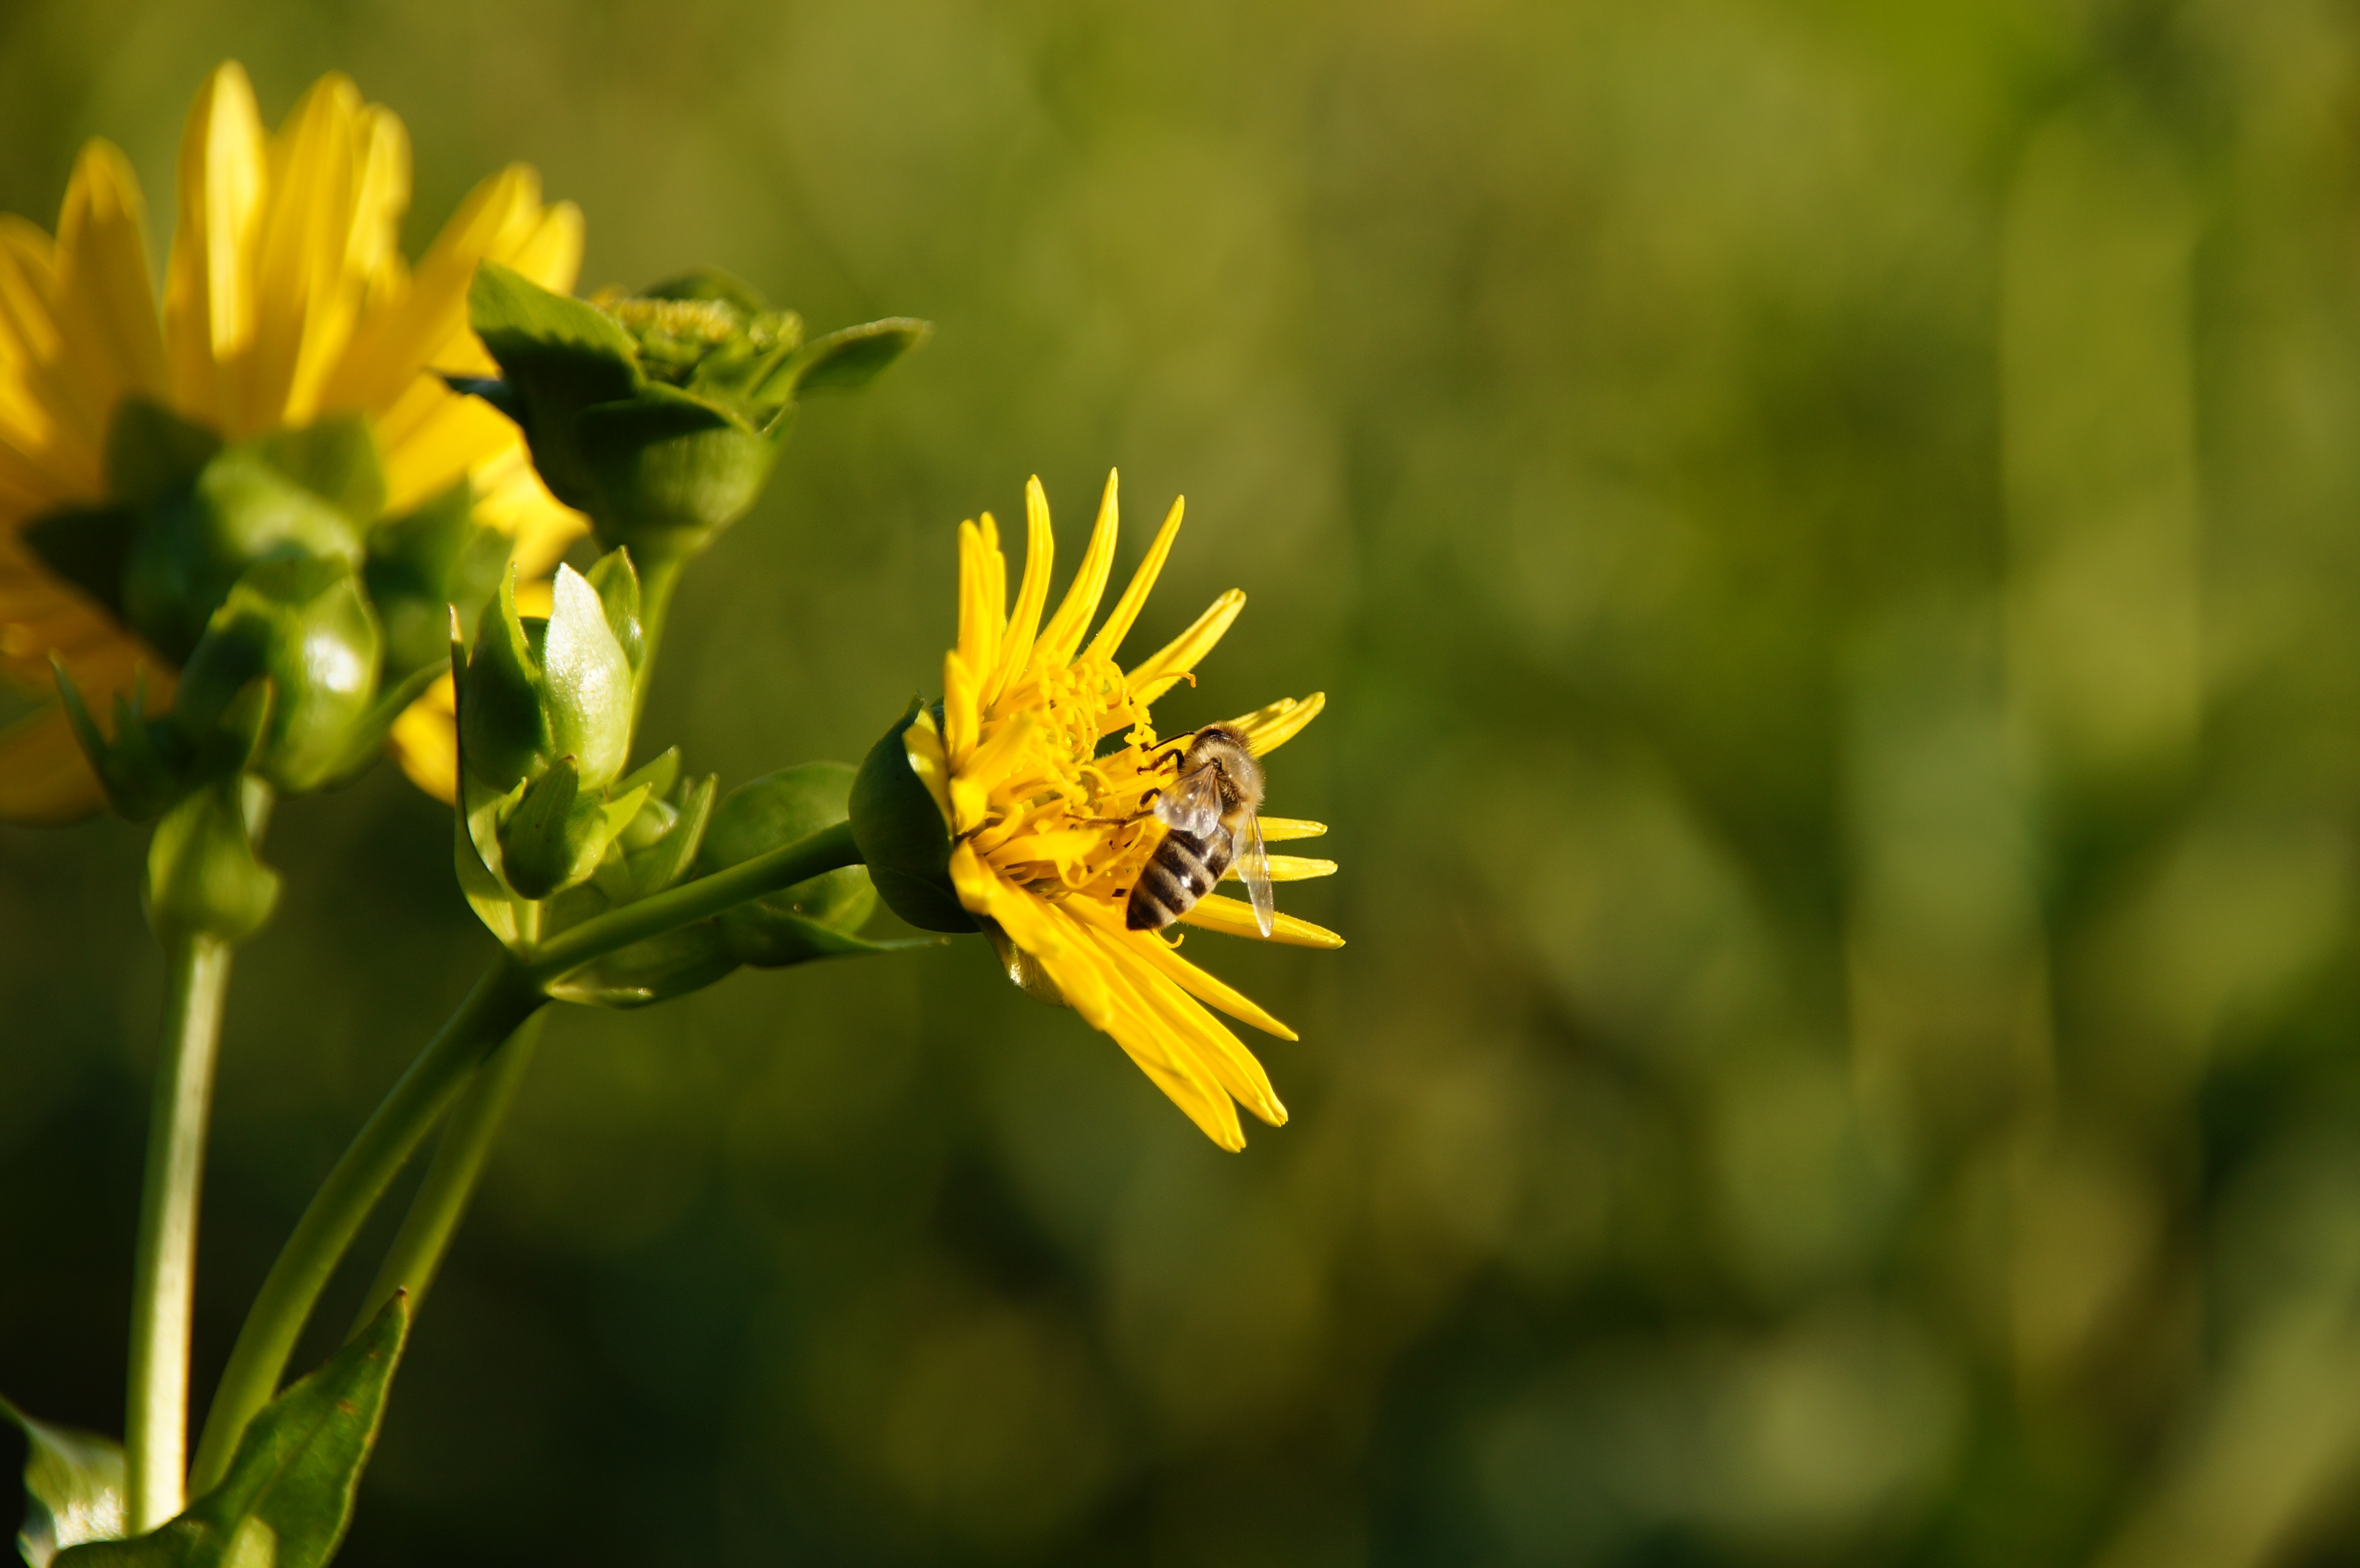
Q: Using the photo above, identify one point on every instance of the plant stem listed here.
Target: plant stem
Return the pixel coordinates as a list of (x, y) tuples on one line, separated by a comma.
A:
[(510, 992), (502, 1000), (441, 1199), (164, 1265), (658, 576), (692, 901)]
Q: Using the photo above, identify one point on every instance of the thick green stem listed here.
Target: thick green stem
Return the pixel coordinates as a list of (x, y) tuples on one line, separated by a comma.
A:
[(164, 1267), (502, 1000), (450, 1182), (510, 992), (692, 901)]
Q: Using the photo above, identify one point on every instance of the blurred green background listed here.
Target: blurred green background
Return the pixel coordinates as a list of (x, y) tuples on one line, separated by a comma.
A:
[(1829, 529)]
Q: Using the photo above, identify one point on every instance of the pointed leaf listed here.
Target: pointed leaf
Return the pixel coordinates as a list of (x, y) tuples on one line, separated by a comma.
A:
[(849, 360), (288, 1497), (552, 347), (73, 1488)]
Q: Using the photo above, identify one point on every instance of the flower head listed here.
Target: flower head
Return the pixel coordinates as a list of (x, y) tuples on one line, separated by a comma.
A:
[(286, 303), (1051, 828)]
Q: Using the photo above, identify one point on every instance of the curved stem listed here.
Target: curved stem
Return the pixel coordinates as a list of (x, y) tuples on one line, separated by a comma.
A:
[(164, 1264), (510, 992), (502, 1000), (692, 901), (450, 1182)]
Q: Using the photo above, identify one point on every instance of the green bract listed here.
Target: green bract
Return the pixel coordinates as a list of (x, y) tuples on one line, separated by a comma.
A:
[(303, 619), (901, 830), (545, 718), (810, 919), (660, 414)]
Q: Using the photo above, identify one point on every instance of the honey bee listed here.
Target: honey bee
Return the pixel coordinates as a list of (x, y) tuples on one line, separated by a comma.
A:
[(1210, 811)]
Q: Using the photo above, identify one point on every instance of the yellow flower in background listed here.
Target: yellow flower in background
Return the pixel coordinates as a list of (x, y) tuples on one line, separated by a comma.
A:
[(1051, 832), (285, 300)]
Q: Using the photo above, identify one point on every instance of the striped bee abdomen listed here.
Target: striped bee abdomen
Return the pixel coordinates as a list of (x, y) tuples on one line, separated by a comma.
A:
[(1183, 869)]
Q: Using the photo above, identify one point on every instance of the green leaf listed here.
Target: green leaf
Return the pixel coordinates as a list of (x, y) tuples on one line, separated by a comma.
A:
[(849, 360), (551, 347), (656, 969), (288, 1497), (73, 1488)]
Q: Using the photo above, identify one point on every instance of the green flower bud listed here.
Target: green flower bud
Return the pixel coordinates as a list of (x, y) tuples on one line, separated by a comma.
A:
[(808, 919), (305, 627), (202, 876), (307, 493), (661, 414), (902, 825), (538, 690)]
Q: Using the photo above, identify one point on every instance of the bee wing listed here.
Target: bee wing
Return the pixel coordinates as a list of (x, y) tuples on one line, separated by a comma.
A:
[(1193, 804), (1254, 870)]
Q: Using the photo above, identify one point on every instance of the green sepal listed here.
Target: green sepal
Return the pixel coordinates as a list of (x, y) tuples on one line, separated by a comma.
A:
[(670, 469), (290, 494), (141, 769), (903, 836), (653, 866), (153, 453), (557, 356), (657, 969), (539, 834), (203, 876), (288, 1497), (771, 812), (73, 1488), (366, 740), (502, 735), (845, 360), (306, 627), (423, 565), (617, 583), (335, 459), (89, 548), (587, 697)]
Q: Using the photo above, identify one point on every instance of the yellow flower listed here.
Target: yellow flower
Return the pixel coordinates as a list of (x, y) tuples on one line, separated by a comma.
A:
[(286, 299), (1050, 832)]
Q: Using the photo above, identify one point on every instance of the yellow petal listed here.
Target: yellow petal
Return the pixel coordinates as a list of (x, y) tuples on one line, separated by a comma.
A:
[(1142, 948), (1156, 674), (425, 742), (109, 343), (1080, 607), (1031, 595), (1178, 1045), (43, 776), (208, 284), (1288, 868), (1215, 912), (1267, 729), (1279, 829), (982, 602), (1109, 642)]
